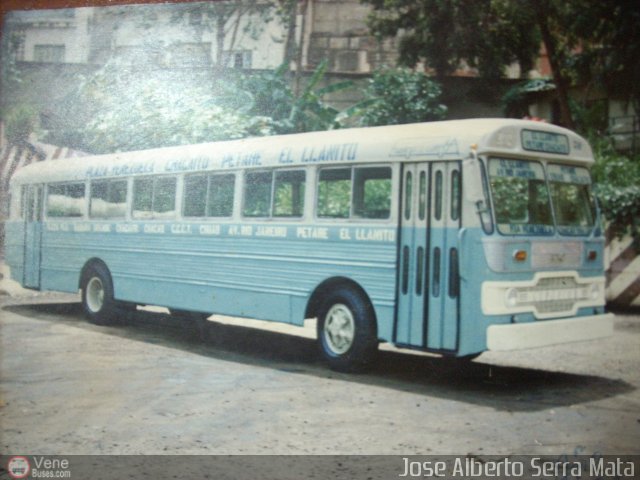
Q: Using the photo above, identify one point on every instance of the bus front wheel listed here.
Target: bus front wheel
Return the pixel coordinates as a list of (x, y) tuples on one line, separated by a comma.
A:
[(97, 295), (346, 331)]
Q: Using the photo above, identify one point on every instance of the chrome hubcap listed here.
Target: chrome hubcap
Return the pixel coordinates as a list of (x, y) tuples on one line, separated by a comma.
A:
[(339, 329), (95, 294)]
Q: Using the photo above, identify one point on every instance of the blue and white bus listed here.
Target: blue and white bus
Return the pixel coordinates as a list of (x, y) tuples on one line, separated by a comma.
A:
[(450, 237)]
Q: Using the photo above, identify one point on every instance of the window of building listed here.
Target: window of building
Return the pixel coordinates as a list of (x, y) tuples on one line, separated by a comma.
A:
[(16, 45), (49, 53), (238, 59), (190, 54)]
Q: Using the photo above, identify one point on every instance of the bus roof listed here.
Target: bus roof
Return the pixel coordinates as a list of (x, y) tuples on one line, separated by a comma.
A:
[(446, 140)]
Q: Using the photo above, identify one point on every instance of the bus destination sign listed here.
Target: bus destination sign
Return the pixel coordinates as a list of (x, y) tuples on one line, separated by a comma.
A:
[(546, 142)]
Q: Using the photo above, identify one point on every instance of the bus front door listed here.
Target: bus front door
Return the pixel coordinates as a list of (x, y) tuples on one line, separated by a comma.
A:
[(412, 273), (32, 214), (428, 284), (444, 284)]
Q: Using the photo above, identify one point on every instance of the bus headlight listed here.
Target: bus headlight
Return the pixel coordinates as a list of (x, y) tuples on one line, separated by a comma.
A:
[(511, 297)]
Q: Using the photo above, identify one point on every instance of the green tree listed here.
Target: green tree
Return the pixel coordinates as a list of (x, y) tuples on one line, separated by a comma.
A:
[(607, 35), (21, 121), (112, 110), (272, 96), (617, 179), (124, 113), (486, 34), (397, 96)]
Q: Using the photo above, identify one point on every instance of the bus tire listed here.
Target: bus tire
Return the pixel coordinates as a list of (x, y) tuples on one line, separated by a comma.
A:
[(97, 295), (346, 330)]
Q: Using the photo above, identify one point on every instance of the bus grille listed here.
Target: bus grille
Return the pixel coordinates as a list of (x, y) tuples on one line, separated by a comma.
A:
[(553, 295)]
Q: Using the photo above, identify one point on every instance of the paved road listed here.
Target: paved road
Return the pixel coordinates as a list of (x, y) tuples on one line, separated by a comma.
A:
[(152, 387)]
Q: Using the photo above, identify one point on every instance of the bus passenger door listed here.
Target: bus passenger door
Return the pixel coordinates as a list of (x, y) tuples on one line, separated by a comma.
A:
[(412, 270), (32, 213), (444, 283)]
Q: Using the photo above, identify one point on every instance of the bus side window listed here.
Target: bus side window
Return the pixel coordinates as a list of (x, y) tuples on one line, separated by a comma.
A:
[(372, 192), (221, 194), (195, 196), (108, 199), (288, 197), (66, 200), (208, 195), (257, 194), (334, 193), (154, 198)]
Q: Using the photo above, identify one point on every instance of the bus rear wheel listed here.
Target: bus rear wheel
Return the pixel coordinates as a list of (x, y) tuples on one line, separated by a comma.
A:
[(346, 331), (97, 296)]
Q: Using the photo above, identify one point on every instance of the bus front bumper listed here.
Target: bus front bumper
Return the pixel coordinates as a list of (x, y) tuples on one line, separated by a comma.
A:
[(516, 336)]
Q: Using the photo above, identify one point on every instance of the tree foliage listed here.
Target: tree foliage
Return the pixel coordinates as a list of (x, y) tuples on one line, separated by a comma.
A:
[(608, 37), (486, 34), (591, 43), (398, 96), (124, 112), (21, 121), (617, 179), (116, 110), (273, 96)]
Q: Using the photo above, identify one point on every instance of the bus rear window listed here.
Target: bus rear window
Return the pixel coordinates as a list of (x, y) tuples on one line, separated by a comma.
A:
[(520, 197), (65, 200)]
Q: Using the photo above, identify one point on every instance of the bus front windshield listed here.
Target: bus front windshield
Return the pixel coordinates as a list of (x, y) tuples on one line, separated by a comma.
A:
[(573, 203), (526, 204)]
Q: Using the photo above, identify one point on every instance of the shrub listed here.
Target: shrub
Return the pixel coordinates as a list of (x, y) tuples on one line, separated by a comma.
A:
[(617, 178)]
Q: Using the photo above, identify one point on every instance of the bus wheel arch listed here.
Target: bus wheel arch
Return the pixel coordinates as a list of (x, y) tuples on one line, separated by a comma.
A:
[(96, 284), (347, 327)]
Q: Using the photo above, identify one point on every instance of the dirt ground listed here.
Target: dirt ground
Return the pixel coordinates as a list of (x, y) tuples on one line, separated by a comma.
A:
[(152, 386)]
